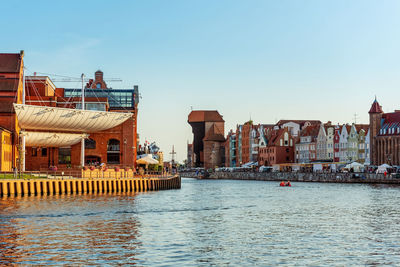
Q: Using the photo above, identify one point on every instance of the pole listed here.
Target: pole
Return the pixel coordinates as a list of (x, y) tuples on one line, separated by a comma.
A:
[(22, 156), (83, 139)]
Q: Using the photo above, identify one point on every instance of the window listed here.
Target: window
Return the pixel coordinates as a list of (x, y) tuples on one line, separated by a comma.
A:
[(98, 86), (90, 144), (64, 156), (44, 152), (113, 151), (34, 152)]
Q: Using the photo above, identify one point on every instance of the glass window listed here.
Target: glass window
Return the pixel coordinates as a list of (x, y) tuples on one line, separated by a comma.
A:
[(44, 152), (64, 156), (113, 149), (90, 144), (34, 152)]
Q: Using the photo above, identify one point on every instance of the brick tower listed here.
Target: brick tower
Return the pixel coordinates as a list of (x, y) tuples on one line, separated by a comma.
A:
[(375, 116)]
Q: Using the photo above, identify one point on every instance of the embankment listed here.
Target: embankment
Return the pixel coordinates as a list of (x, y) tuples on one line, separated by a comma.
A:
[(302, 177), (13, 187)]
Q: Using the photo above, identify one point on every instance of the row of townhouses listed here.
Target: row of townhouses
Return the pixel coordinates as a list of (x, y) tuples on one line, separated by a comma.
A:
[(297, 141)]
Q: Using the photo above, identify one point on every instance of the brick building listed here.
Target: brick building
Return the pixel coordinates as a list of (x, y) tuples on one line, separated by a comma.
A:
[(54, 124), (384, 136), (208, 142), (11, 84), (279, 147)]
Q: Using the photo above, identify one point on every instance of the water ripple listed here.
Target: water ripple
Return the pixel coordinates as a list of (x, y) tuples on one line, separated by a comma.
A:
[(207, 223)]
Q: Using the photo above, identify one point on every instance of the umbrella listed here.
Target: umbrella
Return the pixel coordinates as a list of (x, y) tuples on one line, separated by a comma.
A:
[(148, 160)]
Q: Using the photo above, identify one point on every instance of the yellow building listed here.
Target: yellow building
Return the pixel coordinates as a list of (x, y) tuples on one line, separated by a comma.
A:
[(6, 151)]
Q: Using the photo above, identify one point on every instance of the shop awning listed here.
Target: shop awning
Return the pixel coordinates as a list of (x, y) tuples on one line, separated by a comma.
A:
[(64, 119), (48, 139)]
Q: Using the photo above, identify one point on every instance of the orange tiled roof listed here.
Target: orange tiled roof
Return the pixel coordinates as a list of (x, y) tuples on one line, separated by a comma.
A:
[(205, 115)]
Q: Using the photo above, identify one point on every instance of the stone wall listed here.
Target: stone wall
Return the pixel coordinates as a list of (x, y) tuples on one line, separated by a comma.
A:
[(302, 177)]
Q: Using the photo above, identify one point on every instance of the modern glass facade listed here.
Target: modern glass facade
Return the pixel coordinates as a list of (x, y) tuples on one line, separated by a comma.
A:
[(117, 98)]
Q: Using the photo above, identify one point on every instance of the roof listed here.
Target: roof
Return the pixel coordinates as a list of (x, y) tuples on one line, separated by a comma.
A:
[(300, 122), (375, 108), (311, 130), (360, 127), (66, 119), (273, 136), (10, 63), (205, 115), (391, 117), (392, 128)]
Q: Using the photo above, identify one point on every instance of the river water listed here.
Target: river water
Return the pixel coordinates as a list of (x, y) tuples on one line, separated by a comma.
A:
[(207, 222)]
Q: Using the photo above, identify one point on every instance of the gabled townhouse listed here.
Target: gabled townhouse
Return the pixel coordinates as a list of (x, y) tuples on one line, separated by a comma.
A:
[(321, 143), (336, 144), (352, 144), (367, 148), (361, 146), (254, 136), (279, 147), (295, 126), (343, 143), (305, 149), (330, 132), (239, 145), (230, 149)]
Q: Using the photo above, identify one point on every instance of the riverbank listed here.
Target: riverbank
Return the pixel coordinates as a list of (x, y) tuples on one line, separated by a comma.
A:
[(302, 177)]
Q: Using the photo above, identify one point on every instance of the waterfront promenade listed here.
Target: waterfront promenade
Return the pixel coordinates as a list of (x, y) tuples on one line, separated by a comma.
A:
[(303, 177)]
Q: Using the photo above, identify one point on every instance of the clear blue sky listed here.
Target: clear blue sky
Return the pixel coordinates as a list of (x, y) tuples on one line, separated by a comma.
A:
[(269, 60)]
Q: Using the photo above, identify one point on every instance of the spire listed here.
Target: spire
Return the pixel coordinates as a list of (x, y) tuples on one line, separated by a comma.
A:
[(375, 108)]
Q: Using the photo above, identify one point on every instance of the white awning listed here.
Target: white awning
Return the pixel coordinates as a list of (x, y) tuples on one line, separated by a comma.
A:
[(47, 139), (65, 119)]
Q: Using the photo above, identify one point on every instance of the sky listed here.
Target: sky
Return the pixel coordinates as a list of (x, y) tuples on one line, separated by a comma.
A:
[(264, 60)]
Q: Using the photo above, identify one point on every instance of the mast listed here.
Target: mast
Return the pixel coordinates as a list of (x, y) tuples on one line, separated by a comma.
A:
[(22, 156), (83, 139)]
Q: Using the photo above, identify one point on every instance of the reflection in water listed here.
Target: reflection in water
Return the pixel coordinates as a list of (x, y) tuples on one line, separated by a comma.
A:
[(67, 229), (207, 223)]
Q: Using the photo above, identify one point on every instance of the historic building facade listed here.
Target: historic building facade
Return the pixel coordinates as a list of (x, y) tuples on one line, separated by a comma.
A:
[(384, 136), (48, 123), (208, 138)]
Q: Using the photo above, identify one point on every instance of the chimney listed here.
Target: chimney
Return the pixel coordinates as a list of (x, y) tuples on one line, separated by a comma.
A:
[(98, 75)]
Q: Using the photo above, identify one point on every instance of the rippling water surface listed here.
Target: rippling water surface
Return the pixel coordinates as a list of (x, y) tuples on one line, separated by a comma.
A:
[(207, 223)]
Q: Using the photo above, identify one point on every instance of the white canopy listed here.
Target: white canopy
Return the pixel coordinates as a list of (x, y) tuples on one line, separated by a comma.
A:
[(52, 139), (355, 166), (148, 159), (66, 119)]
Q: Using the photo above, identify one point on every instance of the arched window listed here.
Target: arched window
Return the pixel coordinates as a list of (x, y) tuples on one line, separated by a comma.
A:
[(98, 85), (90, 144), (113, 150)]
